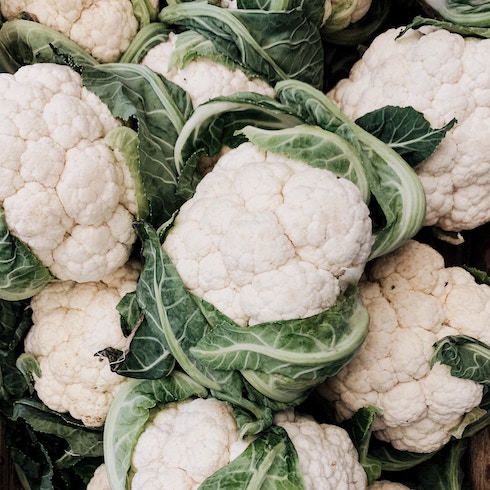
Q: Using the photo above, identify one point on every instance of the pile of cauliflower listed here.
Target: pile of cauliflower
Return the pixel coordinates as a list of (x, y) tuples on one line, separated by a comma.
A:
[(264, 238)]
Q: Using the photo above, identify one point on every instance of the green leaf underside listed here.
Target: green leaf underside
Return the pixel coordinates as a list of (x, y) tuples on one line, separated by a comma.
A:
[(269, 462), (300, 348), (22, 275)]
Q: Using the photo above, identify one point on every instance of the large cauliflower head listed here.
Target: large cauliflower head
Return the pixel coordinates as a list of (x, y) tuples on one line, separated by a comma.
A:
[(266, 238), (71, 323), (413, 301), (202, 78), (65, 192), (444, 76), (103, 28)]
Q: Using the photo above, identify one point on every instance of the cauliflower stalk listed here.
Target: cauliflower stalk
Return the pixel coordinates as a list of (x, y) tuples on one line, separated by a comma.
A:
[(71, 323), (103, 28), (443, 75), (413, 301), (65, 189), (191, 442)]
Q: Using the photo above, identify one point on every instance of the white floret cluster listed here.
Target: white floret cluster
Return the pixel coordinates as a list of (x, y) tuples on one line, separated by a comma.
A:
[(65, 192), (268, 238), (71, 323), (413, 301)]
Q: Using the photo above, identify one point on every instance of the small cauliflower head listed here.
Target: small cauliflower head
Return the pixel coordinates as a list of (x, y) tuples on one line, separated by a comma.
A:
[(444, 76), (202, 78), (327, 457), (267, 238), (103, 28), (413, 301), (71, 323), (185, 443), (65, 192)]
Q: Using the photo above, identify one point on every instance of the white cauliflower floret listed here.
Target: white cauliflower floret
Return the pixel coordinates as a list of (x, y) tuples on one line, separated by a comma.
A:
[(185, 443), (71, 323), (65, 193), (413, 301), (326, 454), (444, 76), (99, 480), (202, 78), (267, 238), (103, 28)]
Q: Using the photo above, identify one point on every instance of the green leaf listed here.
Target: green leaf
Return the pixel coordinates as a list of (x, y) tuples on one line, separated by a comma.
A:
[(274, 45), (406, 131), (146, 38), (468, 31), (360, 427), (129, 412), (474, 13), (126, 141), (82, 442), (270, 462), (319, 148), (394, 185), (25, 42), (134, 92), (300, 349), (467, 357), (22, 274)]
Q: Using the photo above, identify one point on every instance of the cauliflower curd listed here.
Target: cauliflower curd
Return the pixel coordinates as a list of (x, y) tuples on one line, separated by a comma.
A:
[(71, 323), (268, 238), (413, 301), (444, 76), (65, 192)]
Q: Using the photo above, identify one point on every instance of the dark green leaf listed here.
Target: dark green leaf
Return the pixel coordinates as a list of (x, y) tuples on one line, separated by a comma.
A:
[(406, 131), (274, 45), (133, 91)]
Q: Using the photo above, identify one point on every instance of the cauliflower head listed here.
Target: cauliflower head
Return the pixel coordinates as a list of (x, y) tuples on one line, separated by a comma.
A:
[(65, 192), (267, 238), (71, 323), (185, 443), (202, 78), (103, 28), (326, 454), (413, 301), (444, 76)]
